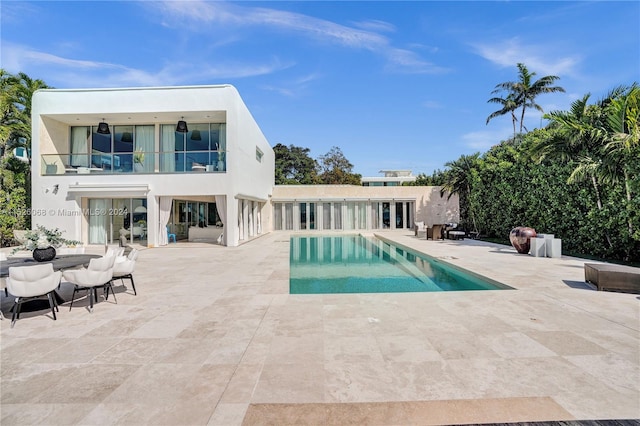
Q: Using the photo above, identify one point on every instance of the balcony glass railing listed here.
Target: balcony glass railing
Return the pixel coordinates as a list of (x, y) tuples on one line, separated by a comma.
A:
[(135, 162)]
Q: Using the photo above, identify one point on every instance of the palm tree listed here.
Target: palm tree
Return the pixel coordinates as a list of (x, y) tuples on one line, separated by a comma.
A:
[(458, 180), (578, 137), (26, 89), (622, 117), (525, 90), (508, 107), (8, 107)]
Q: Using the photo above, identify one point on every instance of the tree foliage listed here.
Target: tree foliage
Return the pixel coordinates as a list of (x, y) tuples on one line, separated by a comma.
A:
[(335, 169), (436, 179), (294, 166), (16, 92)]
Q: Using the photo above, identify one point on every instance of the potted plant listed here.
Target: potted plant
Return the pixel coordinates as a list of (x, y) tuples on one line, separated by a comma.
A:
[(138, 160), (43, 243)]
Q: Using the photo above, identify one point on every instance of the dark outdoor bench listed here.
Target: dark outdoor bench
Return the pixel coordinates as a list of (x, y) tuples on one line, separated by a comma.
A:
[(606, 276)]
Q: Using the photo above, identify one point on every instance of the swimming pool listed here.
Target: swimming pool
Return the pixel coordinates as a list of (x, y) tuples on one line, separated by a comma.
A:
[(357, 264)]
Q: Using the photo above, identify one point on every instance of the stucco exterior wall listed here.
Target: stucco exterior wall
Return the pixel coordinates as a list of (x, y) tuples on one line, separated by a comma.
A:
[(430, 206), (54, 112)]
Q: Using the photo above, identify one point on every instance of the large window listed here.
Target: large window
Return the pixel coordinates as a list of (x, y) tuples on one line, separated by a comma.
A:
[(343, 215), (125, 149), (326, 215), (202, 148), (133, 148)]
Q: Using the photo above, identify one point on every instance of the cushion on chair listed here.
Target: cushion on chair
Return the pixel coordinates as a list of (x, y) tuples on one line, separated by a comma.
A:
[(99, 272), (114, 251), (123, 268), (31, 281), (133, 255)]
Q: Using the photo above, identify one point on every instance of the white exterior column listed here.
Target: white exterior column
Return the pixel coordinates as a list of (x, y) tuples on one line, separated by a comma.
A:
[(231, 231), (392, 214), (251, 218), (245, 219), (153, 221)]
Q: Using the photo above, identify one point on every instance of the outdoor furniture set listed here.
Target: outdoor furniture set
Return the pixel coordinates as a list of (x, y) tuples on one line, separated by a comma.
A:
[(439, 231), (604, 276), (28, 280)]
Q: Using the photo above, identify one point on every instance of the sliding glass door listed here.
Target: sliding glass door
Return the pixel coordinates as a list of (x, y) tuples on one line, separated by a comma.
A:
[(111, 218)]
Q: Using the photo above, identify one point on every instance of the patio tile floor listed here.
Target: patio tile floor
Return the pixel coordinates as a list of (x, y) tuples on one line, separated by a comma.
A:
[(213, 337)]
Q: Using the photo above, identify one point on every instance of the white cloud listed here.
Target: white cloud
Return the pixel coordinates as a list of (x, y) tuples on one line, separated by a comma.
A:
[(375, 25), (17, 12), (293, 88), (61, 71), (319, 29), (225, 13), (15, 58), (537, 58), (409, 62)]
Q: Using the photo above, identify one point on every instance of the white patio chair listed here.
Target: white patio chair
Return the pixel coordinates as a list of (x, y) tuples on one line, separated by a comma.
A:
[(3, 281), (114, 252), (420, 229), (32, 282), (98, 274), (124, 267)]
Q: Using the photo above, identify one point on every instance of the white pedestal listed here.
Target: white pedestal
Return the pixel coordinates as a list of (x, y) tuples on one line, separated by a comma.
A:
[(538, 247), (551, 247), (554, 247)]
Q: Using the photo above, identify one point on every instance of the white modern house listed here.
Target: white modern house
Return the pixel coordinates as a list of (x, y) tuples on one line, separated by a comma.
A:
[(389, 178), (359, 208), (143, 163)]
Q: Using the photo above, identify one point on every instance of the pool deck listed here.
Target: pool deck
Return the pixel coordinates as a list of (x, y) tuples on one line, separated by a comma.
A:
[(213, 337)]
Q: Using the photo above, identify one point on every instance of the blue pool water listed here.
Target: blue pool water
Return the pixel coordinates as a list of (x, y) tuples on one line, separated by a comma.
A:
[(355, 264)]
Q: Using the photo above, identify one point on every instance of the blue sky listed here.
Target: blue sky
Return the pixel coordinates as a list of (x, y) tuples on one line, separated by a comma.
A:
[(395, 85)]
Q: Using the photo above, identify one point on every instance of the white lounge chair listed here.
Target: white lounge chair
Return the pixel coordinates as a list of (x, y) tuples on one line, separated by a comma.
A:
[(124, 267), (32, 282), (98, 274)]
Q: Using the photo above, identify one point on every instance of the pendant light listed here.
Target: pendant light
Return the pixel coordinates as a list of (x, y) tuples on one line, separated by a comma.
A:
[(182, 126), (103, 128)]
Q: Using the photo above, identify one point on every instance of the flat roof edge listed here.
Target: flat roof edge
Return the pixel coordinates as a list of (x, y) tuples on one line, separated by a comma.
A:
[(114, 89)]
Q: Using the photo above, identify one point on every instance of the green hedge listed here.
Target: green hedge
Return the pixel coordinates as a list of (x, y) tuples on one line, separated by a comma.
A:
[(510, 189)]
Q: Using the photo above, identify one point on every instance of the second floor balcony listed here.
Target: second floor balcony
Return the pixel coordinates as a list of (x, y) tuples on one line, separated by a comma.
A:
[(134, 162)]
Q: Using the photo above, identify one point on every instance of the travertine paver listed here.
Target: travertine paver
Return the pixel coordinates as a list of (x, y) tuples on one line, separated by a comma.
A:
[(213, 335)]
